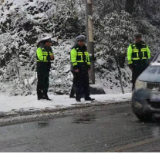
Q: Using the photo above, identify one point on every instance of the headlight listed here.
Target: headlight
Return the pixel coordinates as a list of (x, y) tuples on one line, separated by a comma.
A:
[(140, 85)]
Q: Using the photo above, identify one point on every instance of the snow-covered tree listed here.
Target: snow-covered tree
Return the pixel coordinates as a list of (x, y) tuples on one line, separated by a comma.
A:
[(23, 22)]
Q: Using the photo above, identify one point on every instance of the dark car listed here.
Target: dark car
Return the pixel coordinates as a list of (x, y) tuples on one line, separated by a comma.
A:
[(146, 95)]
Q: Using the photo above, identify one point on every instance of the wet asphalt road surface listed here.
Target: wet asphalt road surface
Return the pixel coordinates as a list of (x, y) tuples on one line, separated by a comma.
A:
[(113, 129)]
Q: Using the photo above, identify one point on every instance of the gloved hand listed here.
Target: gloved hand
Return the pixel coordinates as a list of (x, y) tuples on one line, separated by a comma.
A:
[(76, 70)]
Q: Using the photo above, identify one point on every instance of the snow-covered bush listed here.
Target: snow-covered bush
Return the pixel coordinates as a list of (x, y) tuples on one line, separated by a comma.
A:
[(23, 22)]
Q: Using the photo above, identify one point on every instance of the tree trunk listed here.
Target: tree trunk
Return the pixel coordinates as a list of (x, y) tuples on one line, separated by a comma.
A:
[(120, 73), (129, 6)]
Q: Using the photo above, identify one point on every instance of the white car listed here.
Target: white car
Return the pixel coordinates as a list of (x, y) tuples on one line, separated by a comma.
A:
[(146, 95)]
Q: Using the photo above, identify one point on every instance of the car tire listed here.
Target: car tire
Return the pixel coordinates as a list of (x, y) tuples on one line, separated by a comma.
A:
[(144, 118)]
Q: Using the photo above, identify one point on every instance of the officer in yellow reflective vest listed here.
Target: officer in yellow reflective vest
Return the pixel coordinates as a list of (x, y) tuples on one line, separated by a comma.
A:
[(44, 57), (138, 57), (80, 60)]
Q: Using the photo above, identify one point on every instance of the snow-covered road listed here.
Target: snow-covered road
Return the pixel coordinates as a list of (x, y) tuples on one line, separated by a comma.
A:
[(26, 103)]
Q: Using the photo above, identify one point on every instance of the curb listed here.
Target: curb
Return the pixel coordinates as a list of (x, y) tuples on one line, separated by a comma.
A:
[(45, 114)]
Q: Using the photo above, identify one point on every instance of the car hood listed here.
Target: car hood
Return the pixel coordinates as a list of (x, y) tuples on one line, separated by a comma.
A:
[(151, 74)]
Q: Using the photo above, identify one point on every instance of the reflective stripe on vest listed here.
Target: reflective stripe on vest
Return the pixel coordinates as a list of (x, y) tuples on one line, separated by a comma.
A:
[(45, 56), (80, 57), (135, 53)]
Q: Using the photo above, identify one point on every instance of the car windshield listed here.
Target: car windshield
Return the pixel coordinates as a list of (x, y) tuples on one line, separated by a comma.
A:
[(153, 70), (156, 58), (151, 74)]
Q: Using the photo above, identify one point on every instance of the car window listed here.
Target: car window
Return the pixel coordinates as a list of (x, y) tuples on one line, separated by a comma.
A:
[(156, 58)]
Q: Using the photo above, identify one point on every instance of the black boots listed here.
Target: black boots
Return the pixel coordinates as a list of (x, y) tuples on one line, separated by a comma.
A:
[(89, 99), (41, 96), (86, 99), (78, 100), (45, 96)]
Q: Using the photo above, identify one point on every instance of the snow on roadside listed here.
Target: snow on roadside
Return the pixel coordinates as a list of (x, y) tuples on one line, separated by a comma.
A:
[(28, 103)]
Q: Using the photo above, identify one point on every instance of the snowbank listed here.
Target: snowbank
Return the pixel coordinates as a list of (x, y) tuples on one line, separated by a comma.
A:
[(30, 103)]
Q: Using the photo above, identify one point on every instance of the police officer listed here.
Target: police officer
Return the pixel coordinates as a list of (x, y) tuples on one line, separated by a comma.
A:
[(138, 56), (44, 57), (81, 65)]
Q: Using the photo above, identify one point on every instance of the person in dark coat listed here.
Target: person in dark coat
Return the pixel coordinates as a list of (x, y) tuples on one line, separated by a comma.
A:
[(44, 58), (80, 60), (138, 57)]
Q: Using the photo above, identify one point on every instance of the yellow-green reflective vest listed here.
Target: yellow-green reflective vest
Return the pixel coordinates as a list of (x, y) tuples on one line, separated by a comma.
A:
[(78, 57), (43, 55), (136, 54)]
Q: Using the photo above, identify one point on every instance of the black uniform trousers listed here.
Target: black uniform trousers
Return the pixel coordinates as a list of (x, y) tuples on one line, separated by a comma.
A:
[(81, 82), (73, 90), (43, 84), (138, 68), (135, 74)]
